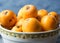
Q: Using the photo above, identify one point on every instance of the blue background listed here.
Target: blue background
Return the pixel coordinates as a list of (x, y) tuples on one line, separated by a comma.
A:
[(15, 5)]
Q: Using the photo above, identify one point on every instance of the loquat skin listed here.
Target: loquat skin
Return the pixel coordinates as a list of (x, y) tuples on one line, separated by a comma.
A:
[(20, 22), (54, 14), (8, 18), (31, 25), (18, 26), (48, 22), (27, 11), (42, 12)]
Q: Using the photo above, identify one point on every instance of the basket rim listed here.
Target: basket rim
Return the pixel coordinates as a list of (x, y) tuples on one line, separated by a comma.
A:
[(29, 32)]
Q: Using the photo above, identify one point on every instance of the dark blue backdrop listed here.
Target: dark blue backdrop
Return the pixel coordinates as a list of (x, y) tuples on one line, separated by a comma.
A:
[(15, 5)]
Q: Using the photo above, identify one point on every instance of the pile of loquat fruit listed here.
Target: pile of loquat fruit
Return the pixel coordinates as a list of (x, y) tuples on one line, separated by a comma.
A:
[(29, 19)]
